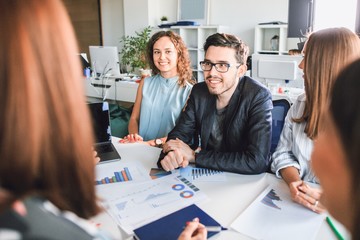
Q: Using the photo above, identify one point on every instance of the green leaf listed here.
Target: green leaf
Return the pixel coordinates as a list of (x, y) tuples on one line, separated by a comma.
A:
[(134, 49)]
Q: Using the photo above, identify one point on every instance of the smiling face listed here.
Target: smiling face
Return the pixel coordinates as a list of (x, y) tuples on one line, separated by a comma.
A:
[(165, 57), (222, 84), (330, 165)]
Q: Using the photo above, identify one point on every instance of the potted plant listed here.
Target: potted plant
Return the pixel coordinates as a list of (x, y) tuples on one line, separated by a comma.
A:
[(164, 20), (133, 52)]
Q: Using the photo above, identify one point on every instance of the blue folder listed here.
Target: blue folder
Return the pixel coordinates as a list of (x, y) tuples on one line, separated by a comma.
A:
[(170, 226)]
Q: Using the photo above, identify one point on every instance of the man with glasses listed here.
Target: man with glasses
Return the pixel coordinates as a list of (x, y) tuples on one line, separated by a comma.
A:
[(230, 112)]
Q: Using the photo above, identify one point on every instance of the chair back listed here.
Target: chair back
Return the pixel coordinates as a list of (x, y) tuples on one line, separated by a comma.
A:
[(281, 107)]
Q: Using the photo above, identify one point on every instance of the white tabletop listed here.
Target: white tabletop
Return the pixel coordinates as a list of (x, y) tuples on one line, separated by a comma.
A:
[(226, 201)]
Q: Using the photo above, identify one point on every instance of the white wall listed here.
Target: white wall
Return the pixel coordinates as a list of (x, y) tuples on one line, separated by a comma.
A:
[(240, 15), (112, 21), (159, 8), (136, 15)]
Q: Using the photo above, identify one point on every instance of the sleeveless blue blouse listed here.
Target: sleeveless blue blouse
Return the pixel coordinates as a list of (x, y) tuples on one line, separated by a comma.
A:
[(162, 102)]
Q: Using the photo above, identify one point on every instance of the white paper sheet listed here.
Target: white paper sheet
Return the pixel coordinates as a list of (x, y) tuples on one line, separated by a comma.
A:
[(273, 215), (135, 204)]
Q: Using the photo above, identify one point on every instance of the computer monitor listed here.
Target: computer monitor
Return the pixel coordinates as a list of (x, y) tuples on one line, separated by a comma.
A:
[(105, 60), (300, 18), (277, 69)]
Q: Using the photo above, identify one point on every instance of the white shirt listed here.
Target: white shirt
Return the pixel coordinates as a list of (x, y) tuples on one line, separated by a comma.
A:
[(294, 147)]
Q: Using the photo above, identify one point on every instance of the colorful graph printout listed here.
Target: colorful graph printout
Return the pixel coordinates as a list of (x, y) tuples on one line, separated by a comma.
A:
[(119, 176), (114, 172), (135, 204)]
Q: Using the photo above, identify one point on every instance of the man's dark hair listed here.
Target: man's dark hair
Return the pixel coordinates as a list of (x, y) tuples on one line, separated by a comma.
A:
[(229, 41)]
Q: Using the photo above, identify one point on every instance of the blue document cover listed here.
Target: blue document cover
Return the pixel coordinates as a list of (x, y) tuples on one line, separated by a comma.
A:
[(170, 226)]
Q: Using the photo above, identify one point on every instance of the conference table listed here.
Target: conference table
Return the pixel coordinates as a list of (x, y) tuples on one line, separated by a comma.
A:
[(227, 199)]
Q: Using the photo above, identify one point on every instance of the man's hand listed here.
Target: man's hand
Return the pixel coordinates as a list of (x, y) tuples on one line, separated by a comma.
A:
[(179, 154)]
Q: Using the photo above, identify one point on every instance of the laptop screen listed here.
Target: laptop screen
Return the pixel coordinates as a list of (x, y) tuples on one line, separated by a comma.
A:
[(101, 121)]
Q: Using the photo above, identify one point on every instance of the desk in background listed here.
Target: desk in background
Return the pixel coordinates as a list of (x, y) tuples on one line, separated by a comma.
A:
[(227, 199), (125, 91), (111, 89)]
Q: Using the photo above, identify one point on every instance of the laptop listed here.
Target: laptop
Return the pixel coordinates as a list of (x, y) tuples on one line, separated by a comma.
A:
[(102, 130)]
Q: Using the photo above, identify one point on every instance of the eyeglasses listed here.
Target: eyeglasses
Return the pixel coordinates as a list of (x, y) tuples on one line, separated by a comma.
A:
[(220, 67)]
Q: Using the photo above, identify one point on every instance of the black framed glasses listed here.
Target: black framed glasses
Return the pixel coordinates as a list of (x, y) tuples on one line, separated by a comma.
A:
[(220, 67)]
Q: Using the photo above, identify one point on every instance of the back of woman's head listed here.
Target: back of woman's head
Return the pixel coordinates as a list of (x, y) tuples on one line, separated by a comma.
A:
[(46, 137), (328, 51), (345, 110), (183, 59)]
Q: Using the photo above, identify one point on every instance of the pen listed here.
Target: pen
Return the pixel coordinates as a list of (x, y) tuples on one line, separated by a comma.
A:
[(333, 228), (215, 228)]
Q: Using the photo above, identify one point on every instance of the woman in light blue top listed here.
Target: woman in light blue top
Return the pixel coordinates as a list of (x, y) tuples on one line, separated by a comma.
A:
[(161, 97), (162, 101), (326, 53)]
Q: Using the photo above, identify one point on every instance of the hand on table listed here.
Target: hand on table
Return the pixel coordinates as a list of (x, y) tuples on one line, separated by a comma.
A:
[(306, 196), (179, 154), (131, 138), (96, 158), (193, 231)]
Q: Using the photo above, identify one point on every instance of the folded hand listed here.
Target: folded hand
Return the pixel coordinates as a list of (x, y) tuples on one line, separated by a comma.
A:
[(179, 154), (306, 196)]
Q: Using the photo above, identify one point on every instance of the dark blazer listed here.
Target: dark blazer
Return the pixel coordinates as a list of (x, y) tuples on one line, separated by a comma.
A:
[(247, 128)]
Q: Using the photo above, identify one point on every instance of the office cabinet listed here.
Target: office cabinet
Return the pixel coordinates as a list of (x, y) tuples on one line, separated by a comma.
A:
[(266, 41), (194, 38)]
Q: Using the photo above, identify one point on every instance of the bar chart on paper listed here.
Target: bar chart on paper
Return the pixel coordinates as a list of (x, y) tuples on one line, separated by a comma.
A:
[(270, 198), (119, 176), (202, 174), (117, 172)]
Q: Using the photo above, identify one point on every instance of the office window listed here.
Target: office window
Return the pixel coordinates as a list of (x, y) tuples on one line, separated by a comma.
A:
[(334, 13)]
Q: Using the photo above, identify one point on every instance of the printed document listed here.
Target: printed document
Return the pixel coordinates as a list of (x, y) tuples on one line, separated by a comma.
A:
[(273, 215), (134, 204)]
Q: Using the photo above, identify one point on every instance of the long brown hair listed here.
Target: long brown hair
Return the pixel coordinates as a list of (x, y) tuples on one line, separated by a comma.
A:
[(183, 59), (328, 51), (45, 136)]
